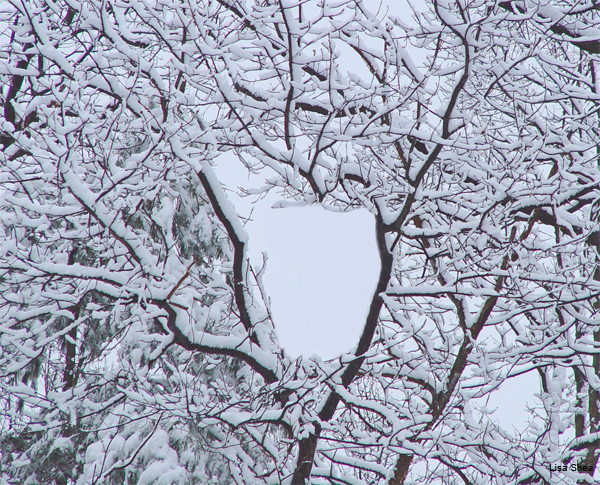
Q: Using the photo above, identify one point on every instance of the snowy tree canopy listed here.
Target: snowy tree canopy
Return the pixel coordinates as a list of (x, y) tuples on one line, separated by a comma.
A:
[(136, 344)]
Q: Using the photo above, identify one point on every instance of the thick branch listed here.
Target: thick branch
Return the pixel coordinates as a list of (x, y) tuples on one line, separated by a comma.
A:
[(180, 339), (591, 46), (239, 255)]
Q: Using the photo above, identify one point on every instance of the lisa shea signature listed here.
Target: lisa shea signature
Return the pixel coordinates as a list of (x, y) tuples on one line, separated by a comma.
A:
[(575, 467)]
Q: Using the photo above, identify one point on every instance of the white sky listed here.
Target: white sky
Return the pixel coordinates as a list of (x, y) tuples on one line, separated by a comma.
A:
[(321, 272)]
